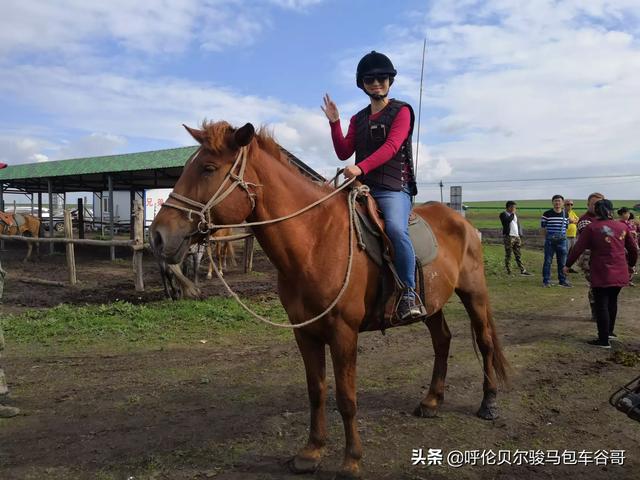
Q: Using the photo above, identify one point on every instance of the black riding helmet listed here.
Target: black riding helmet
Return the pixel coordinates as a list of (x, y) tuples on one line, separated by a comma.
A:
[(374, 63)]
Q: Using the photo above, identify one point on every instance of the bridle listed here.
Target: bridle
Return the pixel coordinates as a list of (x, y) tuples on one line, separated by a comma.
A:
[(205, 225)]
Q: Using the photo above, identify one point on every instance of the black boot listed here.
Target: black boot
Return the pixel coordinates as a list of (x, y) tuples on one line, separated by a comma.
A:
[(409, 308)]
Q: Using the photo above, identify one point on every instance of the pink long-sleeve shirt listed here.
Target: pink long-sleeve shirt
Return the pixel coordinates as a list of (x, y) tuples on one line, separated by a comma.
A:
[(345, 146)]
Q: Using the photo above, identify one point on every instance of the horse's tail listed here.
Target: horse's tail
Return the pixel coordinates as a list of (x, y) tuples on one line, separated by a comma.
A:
[(500, 363)]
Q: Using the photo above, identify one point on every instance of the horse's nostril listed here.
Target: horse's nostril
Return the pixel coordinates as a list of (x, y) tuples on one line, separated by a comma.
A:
[(157, 241)]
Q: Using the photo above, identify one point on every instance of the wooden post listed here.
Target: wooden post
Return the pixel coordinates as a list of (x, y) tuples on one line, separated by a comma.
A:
[(138, 236), (111, 225), (248, 254), (80, 218), (71, 258), (50, 191)]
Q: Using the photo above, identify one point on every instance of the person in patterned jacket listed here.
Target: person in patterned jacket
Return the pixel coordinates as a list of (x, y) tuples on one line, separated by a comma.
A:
[(584, 261)]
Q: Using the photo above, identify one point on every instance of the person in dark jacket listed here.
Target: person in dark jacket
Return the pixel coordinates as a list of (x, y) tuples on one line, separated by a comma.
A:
[(380, 136), (612, 251), (512, 237)]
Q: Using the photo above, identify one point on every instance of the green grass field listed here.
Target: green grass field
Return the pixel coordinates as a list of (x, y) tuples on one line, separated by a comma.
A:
[(124, 326), (485, 214)]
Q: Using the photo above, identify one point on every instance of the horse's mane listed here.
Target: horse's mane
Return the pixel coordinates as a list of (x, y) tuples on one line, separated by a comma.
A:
[(216, 137)]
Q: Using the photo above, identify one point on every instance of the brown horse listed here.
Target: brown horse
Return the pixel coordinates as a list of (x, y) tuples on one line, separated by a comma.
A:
[(224, 252), (31, 225), (310, 252)]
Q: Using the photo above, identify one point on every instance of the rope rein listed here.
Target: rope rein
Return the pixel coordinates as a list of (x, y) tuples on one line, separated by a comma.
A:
[(352, 222), (205, 226)]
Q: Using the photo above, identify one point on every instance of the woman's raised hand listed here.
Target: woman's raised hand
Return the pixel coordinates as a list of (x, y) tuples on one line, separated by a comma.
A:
[(330, 109)]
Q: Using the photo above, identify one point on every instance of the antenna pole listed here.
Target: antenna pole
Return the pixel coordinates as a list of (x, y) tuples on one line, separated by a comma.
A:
[(415, 162)]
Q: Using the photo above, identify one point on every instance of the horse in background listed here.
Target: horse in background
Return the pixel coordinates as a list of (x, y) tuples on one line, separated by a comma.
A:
[(224, 250), (24, 225)]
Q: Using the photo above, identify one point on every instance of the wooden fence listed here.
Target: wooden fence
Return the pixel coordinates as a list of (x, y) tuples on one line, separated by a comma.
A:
[(137, 246)]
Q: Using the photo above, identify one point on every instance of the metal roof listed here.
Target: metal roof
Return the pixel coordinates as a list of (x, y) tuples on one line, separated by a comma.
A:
[(131, 171)]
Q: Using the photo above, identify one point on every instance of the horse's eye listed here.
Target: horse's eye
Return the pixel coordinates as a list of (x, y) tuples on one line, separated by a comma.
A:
[(210, 168)]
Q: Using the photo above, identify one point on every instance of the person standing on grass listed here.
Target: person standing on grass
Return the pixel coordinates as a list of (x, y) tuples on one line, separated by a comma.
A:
[(613, 250), (583, 263), (512, 237), (572, 229), (554, 223), (626, 217), (6, 411)]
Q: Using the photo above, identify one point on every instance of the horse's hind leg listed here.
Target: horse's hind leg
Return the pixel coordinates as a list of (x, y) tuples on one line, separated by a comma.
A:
[(441, 340), (477, 306), (313, 353)]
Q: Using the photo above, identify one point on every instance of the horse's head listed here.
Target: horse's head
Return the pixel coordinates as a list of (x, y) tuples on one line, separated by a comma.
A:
[(214, 189)]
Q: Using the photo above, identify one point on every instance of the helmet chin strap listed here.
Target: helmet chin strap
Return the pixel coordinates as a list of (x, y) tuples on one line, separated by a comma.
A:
[(377, 96)]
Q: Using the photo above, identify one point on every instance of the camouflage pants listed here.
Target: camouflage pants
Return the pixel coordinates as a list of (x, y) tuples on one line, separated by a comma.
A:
[(2, 275), (3, 381), (512, 244)]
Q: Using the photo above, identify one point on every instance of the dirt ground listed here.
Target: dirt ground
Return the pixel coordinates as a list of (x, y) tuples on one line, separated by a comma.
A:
[(240, 411)]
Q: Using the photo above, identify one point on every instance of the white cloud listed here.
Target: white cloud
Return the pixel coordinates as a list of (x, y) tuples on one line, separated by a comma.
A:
[(93, 145), (20, 148), (74, 27), (515, 89)]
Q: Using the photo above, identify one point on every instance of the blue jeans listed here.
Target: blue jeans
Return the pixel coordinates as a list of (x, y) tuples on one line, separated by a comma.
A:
[(396, 207), (554, 246)]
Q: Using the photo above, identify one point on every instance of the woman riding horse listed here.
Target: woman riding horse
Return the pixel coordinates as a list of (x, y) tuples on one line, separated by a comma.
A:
[(380, 136)]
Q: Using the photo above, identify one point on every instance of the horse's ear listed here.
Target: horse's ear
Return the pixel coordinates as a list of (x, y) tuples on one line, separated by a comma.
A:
[(198, 135), (244, 135)]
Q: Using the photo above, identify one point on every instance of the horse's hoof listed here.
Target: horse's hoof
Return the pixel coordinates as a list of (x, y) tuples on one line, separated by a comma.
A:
[(299, 464), (425, 412), (348, 475), (488, 412)]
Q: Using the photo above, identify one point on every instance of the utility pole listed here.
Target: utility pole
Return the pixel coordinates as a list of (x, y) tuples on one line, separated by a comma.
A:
[(441, 186)]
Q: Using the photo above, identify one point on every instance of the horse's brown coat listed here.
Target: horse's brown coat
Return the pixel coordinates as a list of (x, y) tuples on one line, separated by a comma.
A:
[(310, 253)]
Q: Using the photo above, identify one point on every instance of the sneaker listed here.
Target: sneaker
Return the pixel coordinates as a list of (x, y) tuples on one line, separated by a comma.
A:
[(613, 336), (566, 285), (546, 285), (598, 343), (408, 308), (524, 273)]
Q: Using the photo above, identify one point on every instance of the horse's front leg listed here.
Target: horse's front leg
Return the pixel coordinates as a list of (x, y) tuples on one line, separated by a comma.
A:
[(29, 248), (344, 350), (313, 353)]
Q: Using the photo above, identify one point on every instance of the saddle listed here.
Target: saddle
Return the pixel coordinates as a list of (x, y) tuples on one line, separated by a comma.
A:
[(373, 239), (8, 220)]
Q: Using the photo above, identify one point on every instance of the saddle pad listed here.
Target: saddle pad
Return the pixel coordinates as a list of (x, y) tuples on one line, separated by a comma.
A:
[(422, 237), (20, 220), (423, 240)]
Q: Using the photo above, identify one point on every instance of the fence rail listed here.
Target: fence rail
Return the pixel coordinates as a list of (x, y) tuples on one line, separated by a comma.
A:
[(137, 245)]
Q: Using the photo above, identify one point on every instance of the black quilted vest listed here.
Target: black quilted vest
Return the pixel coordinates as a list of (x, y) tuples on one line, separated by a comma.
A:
[(389, 174)]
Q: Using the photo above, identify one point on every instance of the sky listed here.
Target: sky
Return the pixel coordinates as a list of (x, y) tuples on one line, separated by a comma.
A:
[(512, 90)]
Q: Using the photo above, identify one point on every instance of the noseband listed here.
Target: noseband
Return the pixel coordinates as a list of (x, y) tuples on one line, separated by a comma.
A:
[(205, 225)]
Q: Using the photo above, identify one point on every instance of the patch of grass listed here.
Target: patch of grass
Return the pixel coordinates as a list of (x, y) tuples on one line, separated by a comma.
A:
[(120, 323), (485, 214), (626, 358)]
